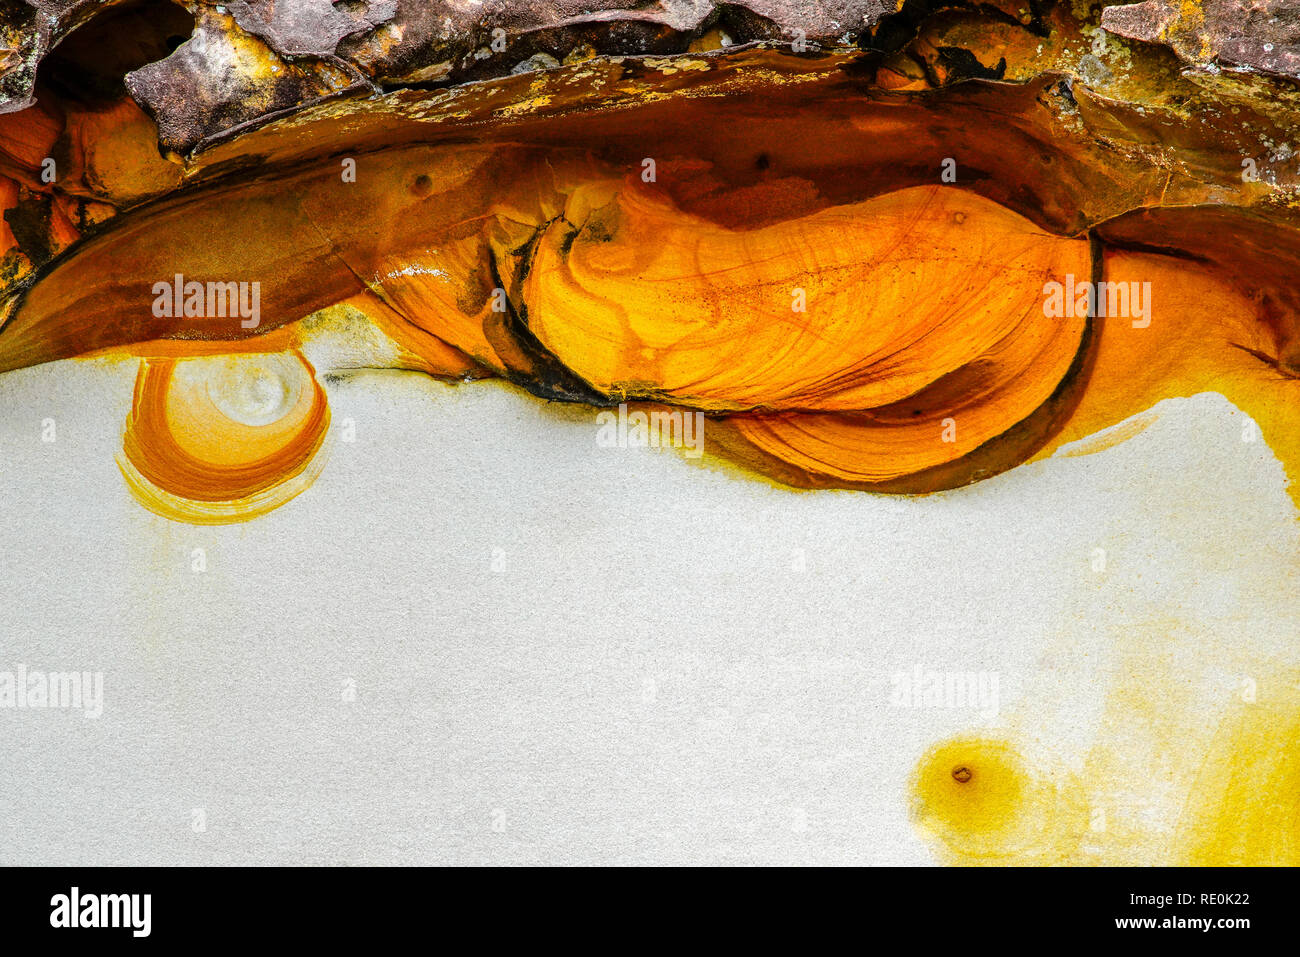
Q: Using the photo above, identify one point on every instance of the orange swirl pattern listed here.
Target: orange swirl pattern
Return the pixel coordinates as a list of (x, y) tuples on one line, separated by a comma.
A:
[(219, 439)]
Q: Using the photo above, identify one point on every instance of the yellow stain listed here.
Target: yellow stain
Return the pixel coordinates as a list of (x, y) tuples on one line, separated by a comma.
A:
[(1244, 806), (980, 803)]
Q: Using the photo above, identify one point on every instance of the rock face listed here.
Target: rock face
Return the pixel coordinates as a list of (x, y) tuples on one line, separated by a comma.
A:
[(896, 259), (29, 29), (1215, 34), (251, 59), (245, 62)]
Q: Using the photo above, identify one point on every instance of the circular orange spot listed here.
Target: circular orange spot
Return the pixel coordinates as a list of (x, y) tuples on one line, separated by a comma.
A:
[(217, 439)]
